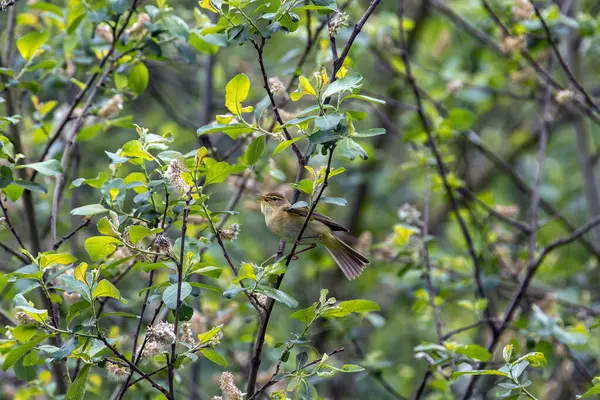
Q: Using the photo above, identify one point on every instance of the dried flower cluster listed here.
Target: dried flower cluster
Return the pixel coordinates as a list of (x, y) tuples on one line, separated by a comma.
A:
[(454, 86), (337, 22), (104, 32), (139, 25), (228, 388), (511, 44), (112, 106), (230, 233), (3, 224), (276, 86), (509, 211), (116, 372), (23, 318), (158, 338), (522, 9), (187, 334), (564, 96), (163, 244), (409, 214), (173, 175)]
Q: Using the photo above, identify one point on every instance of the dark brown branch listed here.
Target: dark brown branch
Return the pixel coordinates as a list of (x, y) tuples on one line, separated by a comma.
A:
[(562, 61), (442, 169), (5, 4), (134, 367), (11, 227), (272, 382), (86, 222), (186, 213)]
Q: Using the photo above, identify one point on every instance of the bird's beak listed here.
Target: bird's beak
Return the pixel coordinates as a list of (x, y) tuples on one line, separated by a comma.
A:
[(262, 198)]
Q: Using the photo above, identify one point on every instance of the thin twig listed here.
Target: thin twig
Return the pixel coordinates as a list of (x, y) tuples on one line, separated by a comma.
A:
[(442, 170), (86, 222), (10, 225), (562, 61), (186, 213), (272, 382)]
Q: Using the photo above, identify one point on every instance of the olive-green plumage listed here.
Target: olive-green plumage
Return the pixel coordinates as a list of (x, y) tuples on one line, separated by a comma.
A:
[(286, 222)]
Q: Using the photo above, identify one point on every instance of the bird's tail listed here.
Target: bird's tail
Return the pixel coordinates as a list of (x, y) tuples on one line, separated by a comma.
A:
[(350, 261)]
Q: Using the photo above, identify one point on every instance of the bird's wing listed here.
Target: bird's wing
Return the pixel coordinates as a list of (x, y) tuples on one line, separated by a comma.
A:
[(303, 211)]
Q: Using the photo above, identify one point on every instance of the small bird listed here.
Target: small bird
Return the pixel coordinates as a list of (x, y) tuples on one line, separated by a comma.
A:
[(286, 222)]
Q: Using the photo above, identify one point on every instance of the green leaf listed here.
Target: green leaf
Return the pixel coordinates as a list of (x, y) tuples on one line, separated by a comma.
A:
[(593, 391), (338, 201), (351, 368), (89, 210), (350, 149), (18, 352), (285, 144), (536, 359), (199, 42), (255, 150), (305, 315), (246, 272), (461, 118), (169, 296), (31, 186), (232, 130), (138, 78), (77, 389), (76, 309), (106, 289), (134, 149), (105, 227), (475, 352), (51, 258), (345, 308), (365, 98), (236, 93), (479, 372), (138, 232), (305, 185), (278, 295), (214, 357), (47, 168), (329, 121), (30, 43), (99, 247), (218, 172), (207, 336), (370, 132), (349, 82)]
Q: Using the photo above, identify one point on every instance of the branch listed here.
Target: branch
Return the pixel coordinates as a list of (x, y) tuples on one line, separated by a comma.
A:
[(428, 283), (143, 310), (357, 28), (134, 367), (442, 168), (265, 317), (562, 61), (171, 360), (10, 225), (4, 4), (272, 382), (86, 222)]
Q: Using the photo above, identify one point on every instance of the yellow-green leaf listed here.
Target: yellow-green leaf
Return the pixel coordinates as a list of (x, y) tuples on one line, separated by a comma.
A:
[(245, 272), (50, 258), (236, 92), (207, 336), (304, 88), (106, 289), (214, 357), (207, 5), (99, 247), (80, 272), (30, 43)]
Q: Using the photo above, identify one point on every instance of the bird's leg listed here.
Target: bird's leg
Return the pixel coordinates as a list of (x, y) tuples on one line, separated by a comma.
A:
[(295, 255)]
